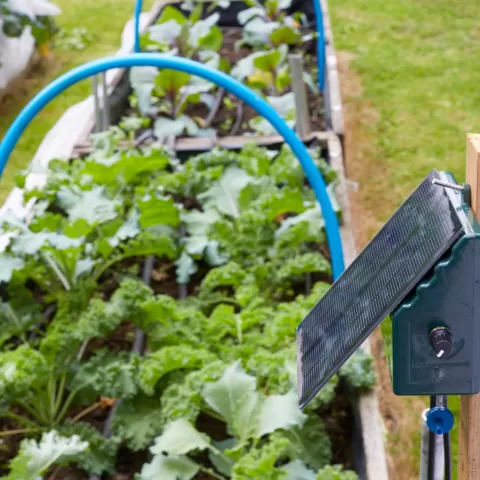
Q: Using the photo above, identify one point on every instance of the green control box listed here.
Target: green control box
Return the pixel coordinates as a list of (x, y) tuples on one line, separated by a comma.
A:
[(432, 337)]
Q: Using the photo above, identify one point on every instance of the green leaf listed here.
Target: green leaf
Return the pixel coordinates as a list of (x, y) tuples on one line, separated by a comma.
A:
[(286, 35), (170, 82), (34, 459), (92, 205), (128, 168), (246, 15), (206, 34), (101, 454), (166, 127), (186, 267), (20, 370), (301, 264), (224, 194), (336, 472), (219, 460), (309, 443), (359, 371), (235, 398), (8, 265), (280, 412), (257, 31), (169, 359), (179, 438), (166, 33), (312, 216), (231, 274), (142, 80), (260, 462), (158, 210), (138, 421), (269, 61), (168, 468), (172, 13), (296, 470), (108, 374)]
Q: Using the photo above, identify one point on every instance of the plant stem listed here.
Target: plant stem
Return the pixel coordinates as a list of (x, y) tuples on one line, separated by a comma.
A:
[(65, 408), (57, 271), (86, 411), (212, 473), (59, 394), (22, 420), (18, 431)]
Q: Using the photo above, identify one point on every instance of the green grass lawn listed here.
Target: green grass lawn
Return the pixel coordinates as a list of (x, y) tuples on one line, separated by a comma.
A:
[(418, 65), (105, 20)]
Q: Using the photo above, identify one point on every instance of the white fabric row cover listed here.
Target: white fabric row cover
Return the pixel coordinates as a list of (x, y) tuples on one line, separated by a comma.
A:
[(15, 53)]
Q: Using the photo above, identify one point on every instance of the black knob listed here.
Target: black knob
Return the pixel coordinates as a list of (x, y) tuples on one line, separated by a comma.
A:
[(441, 340)]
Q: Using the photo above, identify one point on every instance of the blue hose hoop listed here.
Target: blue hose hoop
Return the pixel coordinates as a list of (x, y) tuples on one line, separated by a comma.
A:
[(138, 11), (320, 44), (193, 68)]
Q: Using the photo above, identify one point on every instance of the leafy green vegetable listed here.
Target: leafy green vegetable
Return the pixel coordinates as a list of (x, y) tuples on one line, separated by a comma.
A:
[(34, 459)]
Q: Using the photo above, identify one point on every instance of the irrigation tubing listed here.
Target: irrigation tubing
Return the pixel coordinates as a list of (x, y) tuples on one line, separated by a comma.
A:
[(138, 12), (321, 57), (222, 80)]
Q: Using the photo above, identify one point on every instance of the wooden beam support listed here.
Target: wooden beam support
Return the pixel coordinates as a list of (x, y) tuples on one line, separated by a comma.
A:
[(469, 424)]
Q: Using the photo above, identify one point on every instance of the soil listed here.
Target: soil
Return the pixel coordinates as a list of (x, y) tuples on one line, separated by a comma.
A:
[(400, 414)]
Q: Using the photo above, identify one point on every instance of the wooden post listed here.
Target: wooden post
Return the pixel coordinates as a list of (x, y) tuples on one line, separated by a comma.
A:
[(469, 424)]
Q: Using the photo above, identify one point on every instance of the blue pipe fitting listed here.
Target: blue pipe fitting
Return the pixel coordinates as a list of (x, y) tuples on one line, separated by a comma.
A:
[(222, 80), (440, 420)]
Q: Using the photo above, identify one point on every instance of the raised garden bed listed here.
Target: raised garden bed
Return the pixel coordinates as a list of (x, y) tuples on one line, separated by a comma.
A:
[(196, 112), (149, 311)]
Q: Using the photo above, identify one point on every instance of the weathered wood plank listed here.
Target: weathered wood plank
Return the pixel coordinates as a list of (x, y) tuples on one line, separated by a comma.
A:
[(469, 424)]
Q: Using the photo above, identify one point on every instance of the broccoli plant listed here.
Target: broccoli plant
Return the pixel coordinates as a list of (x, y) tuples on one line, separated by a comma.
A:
[(175, 33), (268, 73), (164, 96), (268, 24)]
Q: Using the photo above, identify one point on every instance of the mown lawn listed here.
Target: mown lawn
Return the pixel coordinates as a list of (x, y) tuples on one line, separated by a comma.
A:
[(418, 65), (105, 20)]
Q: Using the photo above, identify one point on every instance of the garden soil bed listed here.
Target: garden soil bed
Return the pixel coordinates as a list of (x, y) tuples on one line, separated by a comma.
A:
[(368, 460)]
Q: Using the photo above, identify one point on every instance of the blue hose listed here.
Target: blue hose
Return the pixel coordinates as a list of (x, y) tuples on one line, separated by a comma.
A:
[(138, 11), (320, 44), (193, 68)]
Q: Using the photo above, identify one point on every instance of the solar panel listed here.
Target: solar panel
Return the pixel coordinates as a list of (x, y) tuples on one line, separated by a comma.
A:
[(409, 244)]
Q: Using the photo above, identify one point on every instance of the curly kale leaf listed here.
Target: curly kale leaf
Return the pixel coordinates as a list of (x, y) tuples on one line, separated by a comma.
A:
[(261, 462), (309, 443), (169, 359), (183, 400), (138, 421), (359, 371), (336, 472), (108, 374), (101, 454), (35, 458), (21, 370)]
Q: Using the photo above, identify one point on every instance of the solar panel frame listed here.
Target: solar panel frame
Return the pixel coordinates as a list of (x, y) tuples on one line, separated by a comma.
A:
[(408, 245)]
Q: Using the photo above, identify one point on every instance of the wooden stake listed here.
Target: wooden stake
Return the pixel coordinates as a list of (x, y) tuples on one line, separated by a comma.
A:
[(469, 425)]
